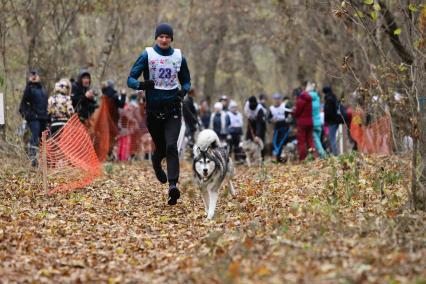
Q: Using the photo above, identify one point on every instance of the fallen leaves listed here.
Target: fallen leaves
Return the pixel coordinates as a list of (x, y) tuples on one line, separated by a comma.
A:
[(299, 223)]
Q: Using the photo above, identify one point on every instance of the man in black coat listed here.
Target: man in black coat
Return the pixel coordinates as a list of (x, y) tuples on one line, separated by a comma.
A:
[(190, 115), (331, 117), (33, 108), (83, 98)]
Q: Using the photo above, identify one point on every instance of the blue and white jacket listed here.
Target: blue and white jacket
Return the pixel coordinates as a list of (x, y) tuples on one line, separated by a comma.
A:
[(155, 97)]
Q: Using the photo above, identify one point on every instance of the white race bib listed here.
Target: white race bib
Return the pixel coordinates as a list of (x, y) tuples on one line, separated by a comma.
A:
[(163, 70)]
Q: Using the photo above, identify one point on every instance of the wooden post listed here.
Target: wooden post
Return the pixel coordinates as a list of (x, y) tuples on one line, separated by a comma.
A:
[(3, 115), (44, 160)]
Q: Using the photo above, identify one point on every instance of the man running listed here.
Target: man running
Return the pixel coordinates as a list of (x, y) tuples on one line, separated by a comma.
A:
[(164, 69)]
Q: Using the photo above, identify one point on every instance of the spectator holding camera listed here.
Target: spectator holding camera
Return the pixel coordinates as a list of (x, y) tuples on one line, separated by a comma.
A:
[(83, 98)]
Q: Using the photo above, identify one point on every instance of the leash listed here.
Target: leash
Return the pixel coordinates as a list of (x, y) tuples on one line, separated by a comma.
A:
[(251, 131), (192, 115), (274, 141)]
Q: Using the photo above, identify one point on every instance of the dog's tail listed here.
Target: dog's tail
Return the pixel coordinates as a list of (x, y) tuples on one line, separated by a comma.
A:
[(259, 142)]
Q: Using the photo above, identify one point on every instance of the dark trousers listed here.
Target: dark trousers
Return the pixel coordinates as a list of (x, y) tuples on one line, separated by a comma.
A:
[(165, 133), (36, 128), (234, 146)]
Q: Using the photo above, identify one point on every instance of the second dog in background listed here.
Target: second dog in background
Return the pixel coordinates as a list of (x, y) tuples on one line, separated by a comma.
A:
[(211, 166), (253, 151)]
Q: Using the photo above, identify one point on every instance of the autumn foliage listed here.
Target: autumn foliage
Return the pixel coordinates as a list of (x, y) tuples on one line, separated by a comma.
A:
[(339, 220)]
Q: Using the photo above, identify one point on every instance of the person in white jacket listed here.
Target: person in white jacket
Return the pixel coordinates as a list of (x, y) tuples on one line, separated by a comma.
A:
[(235, 130)]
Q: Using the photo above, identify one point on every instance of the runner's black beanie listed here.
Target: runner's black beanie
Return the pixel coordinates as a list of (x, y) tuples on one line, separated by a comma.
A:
[(164, 29)]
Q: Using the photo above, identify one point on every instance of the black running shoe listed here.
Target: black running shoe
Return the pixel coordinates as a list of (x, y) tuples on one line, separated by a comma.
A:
[(174, 195)]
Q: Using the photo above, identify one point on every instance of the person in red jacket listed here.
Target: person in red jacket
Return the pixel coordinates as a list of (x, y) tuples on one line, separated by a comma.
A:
[(304, 123)]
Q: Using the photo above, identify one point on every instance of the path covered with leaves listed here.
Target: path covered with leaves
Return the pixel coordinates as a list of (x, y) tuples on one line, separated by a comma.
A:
[(334, 221)]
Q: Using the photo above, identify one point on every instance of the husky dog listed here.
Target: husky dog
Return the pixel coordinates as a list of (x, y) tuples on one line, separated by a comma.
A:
[(289, 153), (211, 166), (253, 151)]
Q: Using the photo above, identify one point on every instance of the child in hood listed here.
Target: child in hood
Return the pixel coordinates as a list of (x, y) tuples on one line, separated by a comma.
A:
[(59, 105)]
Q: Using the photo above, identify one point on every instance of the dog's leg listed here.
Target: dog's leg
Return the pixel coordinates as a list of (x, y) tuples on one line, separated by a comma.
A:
[(248, 161), (206, 199), (231, 188), (212, 205)]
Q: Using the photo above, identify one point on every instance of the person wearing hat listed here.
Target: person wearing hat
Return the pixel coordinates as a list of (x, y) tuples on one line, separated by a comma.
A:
[(256, 120), (33, 109), (60, 107), (225, 101), (166, 80), (332, 117), (115, 100), (83, 98), (235, 130), (279, 115), (219, 121)]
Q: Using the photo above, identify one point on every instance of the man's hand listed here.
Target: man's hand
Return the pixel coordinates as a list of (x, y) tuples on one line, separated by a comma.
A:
[(146, 85), (90, 95), (181, 94)]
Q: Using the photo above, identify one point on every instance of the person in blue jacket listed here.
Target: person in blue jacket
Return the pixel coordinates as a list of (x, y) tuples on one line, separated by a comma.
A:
[(164, 70), (316, 117)]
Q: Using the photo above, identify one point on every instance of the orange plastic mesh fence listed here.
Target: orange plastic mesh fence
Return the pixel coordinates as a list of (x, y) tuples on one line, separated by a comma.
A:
[(67, 158), (375, 138), (103, 127)]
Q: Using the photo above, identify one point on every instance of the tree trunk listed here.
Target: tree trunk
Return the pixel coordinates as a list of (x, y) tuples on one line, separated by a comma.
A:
[(110, 40), (33, 23), (250, 67), (212, 60), (419, 83)]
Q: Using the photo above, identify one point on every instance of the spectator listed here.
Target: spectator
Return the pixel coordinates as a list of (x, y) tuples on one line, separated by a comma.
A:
[(225, 101), (219, 121), (263, 100), (304, 124), (115, 100), (235, 130), (279, 115), (33, 108), (256, 124), (130, 130), (316, 117), (205, 113), (83, 99), (60, 107), (190, 116), (332, 118)]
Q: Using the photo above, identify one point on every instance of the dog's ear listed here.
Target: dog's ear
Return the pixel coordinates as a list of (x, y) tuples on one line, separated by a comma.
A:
[(196, 150), (213, 145)]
